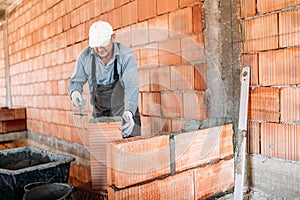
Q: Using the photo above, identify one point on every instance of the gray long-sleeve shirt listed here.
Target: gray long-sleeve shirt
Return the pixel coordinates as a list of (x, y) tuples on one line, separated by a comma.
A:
[(127, 69)]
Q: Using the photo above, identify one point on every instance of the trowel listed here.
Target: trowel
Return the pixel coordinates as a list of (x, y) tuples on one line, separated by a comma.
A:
[(81, 107)]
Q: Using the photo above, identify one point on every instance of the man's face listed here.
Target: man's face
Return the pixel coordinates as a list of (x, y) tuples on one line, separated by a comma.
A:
[(104, 51)]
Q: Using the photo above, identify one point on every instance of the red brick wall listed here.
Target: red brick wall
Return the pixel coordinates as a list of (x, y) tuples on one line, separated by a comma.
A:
[(272, 37), (46, 37)]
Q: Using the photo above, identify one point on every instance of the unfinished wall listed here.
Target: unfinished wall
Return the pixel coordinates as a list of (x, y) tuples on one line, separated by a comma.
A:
[(270, 32), (185, 73)]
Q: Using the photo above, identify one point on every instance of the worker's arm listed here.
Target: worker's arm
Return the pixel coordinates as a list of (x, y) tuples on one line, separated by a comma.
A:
[(131, 82), (79, 76)]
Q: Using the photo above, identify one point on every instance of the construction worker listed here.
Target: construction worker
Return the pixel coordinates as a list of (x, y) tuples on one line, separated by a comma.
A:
[(111, 71)]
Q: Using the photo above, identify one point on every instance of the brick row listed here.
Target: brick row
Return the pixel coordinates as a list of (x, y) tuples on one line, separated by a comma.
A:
[(173, 78), (198, 183), (188, 105), (153, 125), (142, 159), (264, 6)]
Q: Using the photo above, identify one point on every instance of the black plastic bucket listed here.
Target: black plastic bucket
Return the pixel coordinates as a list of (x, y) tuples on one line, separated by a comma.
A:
[(48, 191)]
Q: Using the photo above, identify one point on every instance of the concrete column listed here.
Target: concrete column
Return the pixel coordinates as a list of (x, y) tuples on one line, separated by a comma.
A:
[(222, 54)]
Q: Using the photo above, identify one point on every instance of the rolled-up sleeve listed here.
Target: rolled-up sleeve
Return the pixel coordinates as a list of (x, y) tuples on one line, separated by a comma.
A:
[(131, 82), (79, 76)]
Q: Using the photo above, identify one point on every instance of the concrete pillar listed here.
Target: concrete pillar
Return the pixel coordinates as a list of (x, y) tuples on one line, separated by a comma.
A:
[(222, 54)]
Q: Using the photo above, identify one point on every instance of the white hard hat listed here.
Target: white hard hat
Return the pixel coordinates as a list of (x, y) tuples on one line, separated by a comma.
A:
[(100, 34)]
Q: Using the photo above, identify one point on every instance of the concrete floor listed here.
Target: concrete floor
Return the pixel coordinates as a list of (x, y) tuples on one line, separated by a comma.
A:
[(254, 195)]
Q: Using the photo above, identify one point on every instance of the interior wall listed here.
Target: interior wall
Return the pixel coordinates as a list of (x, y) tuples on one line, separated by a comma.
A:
[(270, 41), (187, 62), (45, 38)]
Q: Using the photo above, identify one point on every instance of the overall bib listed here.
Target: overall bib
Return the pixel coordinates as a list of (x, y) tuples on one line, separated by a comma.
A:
[(108, 100)]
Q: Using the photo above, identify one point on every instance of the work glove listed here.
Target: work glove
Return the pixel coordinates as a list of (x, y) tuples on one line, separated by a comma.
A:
[(77, 99), (128, 124)]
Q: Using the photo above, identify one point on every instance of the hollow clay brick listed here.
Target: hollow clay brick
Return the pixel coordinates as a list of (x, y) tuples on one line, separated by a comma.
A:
[(280, 141), (131, 193), (259, 35), (166, 6), (137, 160), (289, 104), (159, 28), (184, 3), (177, 124), (130, 13), (193, 105), (226, 141), (182, 77), (247, 8), (160, 78), (100, 134), (192, 50), (264, 104), (265, 6), (107, 5), (214, 179), (160, 125), (197, 147), (139, 33), (146, 125), (169, 52), (146, 9), (179, 186), (253, 137), (171, 104), (197, 18), (279, 67), (149, 55), (151, 103), (181, 22), (115, 17), (121, 2), (289, 28), (252, 61)]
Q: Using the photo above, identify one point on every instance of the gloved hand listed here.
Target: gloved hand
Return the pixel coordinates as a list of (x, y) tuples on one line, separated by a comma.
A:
[(128, 125), (77, 99)]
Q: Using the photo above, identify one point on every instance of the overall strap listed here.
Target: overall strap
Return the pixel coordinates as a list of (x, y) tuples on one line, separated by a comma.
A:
[(116, 74), (94, 82)]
